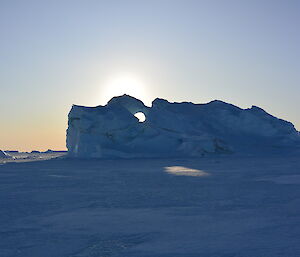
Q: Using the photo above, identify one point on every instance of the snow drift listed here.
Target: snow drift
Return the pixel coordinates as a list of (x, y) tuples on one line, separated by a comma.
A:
[(173, 129)]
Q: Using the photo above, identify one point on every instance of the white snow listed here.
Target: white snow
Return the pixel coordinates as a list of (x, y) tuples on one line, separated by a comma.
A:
[(214, 206), (174, 130)]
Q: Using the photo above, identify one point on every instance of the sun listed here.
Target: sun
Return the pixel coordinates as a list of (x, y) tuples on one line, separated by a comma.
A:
[(124, 83)]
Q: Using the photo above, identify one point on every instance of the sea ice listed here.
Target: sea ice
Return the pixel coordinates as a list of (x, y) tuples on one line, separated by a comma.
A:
[(215, 206)]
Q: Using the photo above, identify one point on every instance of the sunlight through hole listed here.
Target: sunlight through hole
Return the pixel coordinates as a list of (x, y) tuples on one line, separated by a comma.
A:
[(185, 171), (141, 116)]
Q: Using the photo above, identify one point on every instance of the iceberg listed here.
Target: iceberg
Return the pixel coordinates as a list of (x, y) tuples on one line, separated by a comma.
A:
[(173, 130)]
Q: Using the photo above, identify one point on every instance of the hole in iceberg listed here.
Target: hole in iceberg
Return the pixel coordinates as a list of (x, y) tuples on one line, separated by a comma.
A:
[(141, 116)]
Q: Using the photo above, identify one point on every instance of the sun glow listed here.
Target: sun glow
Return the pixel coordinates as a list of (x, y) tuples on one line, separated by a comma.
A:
[(124, 83)]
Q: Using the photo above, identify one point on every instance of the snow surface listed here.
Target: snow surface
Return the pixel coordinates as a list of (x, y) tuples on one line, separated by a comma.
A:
[(215, 206), (174, 130)]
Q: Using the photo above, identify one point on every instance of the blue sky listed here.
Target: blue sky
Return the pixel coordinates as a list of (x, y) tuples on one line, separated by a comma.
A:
[(57, 53)]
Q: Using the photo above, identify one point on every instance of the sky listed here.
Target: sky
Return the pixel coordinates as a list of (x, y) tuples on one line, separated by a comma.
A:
[(57, 53)]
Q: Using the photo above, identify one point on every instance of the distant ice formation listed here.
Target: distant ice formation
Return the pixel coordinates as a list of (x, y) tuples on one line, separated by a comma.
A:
[(35, 151), (3, 155), (173, 130)]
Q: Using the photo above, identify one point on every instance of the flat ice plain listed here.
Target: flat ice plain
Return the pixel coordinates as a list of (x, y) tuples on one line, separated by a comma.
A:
[(222, 206)]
